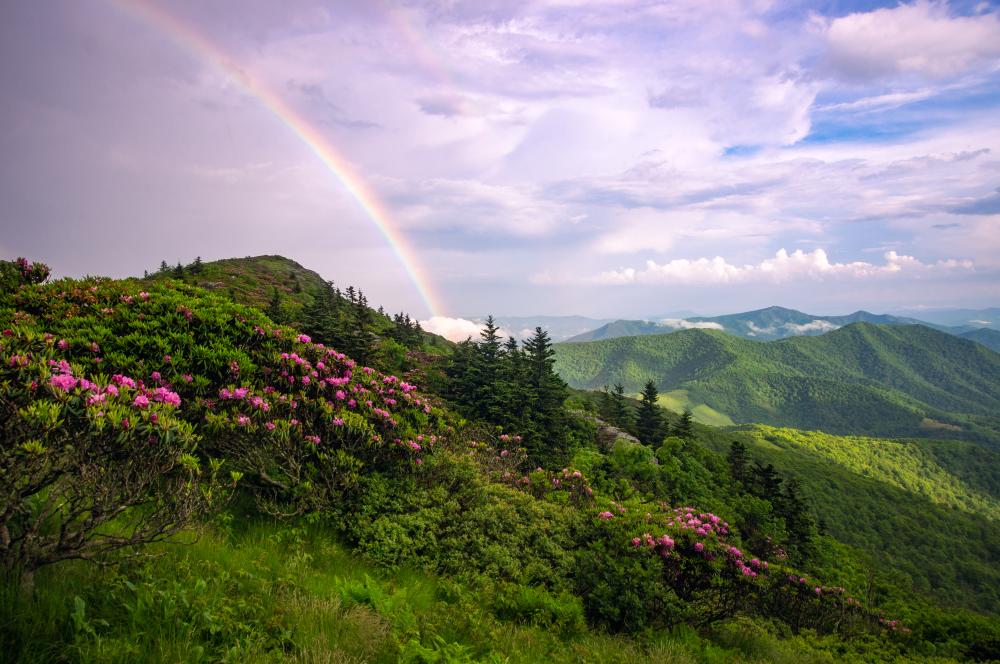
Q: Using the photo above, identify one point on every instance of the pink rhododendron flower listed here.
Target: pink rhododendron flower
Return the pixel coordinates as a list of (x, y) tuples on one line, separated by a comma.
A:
[(64, 382), (605, 516), (141, 401)]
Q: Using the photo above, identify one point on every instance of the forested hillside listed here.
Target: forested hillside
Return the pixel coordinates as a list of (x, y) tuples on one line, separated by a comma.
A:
[(863, 378), (289, 492)]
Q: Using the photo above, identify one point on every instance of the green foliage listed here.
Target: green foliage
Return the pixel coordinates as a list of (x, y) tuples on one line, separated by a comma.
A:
[(648, 421), (863, 378)]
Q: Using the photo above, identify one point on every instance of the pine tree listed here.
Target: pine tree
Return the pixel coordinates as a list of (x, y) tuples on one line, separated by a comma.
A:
[(179, 271), (164, 268), (684, 428), (619, 411), (766, 482), (545, 394), (274, 307), (799, 523), (649, 422), (197, 266), (739, 464)]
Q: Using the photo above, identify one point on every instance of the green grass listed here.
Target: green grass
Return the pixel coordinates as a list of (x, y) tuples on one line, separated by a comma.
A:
[(282, 593), (678, 400)]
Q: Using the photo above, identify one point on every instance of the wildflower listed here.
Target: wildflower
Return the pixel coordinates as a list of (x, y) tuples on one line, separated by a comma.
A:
[(636, 541), (605, 516), (64, 382), (337, 422), (63, 344), (699, 547), (141, 401), (315, 440), (243, 420), (304, 338), (270, 426)]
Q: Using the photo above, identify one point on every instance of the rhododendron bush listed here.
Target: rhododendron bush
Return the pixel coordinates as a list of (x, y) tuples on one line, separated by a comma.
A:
[(90, 465), (295, 420)]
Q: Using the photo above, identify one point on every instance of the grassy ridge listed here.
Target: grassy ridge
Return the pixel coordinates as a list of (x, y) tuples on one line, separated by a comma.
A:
[(863, 378)]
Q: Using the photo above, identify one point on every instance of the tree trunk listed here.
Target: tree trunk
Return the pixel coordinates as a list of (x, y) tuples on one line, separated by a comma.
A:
[(28, 582)]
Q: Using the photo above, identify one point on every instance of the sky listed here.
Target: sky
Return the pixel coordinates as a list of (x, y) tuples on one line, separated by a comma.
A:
[(625, 158)]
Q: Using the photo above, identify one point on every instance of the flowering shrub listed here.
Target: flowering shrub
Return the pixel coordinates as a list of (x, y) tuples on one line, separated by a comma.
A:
[(299, 421), (90, 465)]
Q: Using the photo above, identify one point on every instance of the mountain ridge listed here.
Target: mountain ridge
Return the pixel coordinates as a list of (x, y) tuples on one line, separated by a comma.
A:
[(867, 378)]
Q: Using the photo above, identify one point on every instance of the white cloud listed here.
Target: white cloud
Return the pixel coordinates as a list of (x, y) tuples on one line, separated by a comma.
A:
[(453, 329), (920, 38), (459, 329), (818, 325), (683, 324), (782, 268)]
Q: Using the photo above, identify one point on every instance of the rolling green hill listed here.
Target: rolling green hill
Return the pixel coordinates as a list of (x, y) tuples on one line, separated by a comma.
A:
[(761, 325), (862, 378), (985, 336)]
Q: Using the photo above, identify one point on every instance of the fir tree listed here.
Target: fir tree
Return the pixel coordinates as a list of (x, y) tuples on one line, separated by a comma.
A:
[(197, 266), (619, 411), (649, 422), (766, 482), (684, 428), (546, 394), (164, 268), (739, 464), (274, 307), (179, 271)]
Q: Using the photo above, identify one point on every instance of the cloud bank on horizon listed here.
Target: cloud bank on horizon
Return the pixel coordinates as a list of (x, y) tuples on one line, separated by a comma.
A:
[(609, 159)]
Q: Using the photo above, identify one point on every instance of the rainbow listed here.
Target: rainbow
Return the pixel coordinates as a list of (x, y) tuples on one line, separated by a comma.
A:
[(189, 38)]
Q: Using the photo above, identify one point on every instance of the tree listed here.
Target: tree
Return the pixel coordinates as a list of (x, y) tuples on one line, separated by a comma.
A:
[(179, 271), (545, 394), (684, 428), (649, 421), (164, 268), (197, 266), (799, 523), (766, 482), (274, 307), (739, 464), (619, 411)]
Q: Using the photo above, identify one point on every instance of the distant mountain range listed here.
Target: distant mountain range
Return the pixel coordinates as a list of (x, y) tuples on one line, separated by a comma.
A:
[(559, 328), (773, 323), (893, 380)]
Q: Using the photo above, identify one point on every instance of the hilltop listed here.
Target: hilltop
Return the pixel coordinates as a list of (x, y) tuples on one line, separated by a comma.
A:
[(862, 378)]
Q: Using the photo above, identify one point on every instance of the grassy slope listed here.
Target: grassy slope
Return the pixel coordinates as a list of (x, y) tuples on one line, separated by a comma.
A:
[(252, 281), (882, 380), (281, 593)]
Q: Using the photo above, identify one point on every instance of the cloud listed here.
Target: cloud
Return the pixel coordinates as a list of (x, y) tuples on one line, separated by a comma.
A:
[(453, 329), (988, 205), (818, 325), (683, 324), (921, 38), (782, 268)]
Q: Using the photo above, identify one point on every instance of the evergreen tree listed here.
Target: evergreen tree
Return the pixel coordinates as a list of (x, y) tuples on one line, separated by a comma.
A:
[(164, 268), (799, 522), (197, 266), (649, 421), (739, 464), (619, 411), (274, 307), (179, 271), (766, 482), (684, 428), (545, 394)]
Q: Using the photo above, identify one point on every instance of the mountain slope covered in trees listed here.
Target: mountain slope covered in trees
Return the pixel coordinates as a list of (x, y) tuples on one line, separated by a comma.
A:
[(762, 325), (863, 378), (136, 416)]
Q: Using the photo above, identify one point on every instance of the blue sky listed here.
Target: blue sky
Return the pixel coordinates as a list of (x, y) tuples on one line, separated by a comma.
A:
[(610, 159)]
